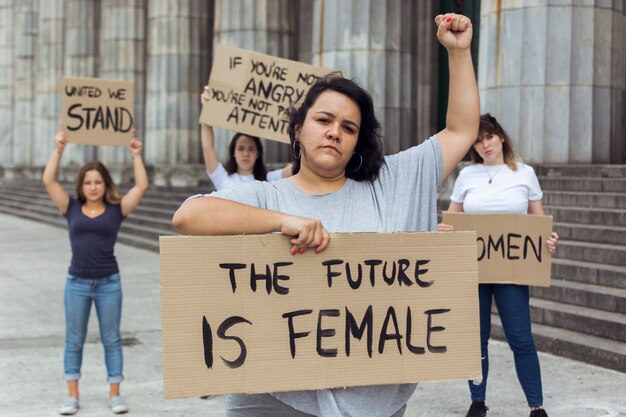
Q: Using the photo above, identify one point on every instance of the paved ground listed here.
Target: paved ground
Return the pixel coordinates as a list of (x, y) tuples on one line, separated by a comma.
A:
[(33, 262)]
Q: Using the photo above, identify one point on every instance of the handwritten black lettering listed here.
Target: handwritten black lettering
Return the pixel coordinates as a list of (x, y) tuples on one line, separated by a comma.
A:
[(278, 93), (118, 119), (495, 245), (260, 105), (207, 341), (234, 61), (271, 71), (373, 263), (84, 90), (507, 247), (321, 333), (117, 94), (240, 115), (293, 335), (430, 329), (510, 245), (308, 79), (384, 335), (528, 241), (363, 328), (417, 350), (357, 330), (399, 269), (228, 97)]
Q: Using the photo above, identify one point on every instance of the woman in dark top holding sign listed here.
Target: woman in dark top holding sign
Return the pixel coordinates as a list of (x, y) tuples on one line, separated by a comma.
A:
[(245, 158), (342, 182), (94, 218), (497, 182)]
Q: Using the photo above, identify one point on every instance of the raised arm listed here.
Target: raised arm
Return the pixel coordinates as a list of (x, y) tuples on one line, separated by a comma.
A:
[(133, 197), (463, 116), (56, 192), (208, 140), (216, 216)]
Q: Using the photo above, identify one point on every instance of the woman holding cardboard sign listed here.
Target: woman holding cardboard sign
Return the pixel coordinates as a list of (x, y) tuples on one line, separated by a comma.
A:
[(497, 183), (94, 218), (342, 182), (245, 161)]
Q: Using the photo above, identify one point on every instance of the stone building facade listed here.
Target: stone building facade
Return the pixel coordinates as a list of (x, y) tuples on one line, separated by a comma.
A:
[(553, 71)]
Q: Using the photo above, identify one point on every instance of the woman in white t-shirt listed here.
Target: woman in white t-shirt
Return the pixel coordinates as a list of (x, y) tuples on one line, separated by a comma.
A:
[(245, 162), (497, 182)]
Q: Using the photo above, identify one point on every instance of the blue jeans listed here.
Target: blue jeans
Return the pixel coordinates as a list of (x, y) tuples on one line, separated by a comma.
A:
[(514, 311), (106, 293)]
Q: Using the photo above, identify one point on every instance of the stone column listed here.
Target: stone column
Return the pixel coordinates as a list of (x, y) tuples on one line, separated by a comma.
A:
[(123, 57), (389, 47), (49, 77), (179, 46), (6, 81), (263, 26), (554, 76), (24, 100), (82, 38)]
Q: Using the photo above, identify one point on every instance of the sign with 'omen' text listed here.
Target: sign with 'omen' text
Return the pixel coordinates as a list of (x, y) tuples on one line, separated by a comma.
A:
[(97, 111), (240, 314), (250, 92), (511, 247)]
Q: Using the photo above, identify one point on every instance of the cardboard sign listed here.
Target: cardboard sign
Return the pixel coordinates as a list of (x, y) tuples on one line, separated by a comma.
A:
[(511, 247), (250, 92), (240, 314), (98, 112)]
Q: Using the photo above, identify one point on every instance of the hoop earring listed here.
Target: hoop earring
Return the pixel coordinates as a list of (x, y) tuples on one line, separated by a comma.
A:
[(360, 162), (296, 142)]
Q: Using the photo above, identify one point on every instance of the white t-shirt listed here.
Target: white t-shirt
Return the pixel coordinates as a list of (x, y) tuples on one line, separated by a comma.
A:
[(222, 180), (509, 191)]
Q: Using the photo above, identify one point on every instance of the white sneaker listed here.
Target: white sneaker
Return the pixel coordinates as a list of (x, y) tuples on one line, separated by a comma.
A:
[(117, 404), (69, 407)]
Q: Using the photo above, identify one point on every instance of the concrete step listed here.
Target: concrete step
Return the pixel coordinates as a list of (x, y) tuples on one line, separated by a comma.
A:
[(579, 319), (163, 206), (599, 253), (589, 273), (612, 185), (131, 231), (57, 221), (176, 194), (584, 199), (586, 215), (581, 170), (150, 244), (581, 347), (585, 295), (591, 233)]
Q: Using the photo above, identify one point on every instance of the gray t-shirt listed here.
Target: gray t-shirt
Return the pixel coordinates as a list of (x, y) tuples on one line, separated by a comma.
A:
[(403, 198)]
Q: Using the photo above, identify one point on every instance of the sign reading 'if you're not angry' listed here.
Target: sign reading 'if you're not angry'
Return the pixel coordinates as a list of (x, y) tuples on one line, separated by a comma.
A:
[(250, 92), (97, 111)]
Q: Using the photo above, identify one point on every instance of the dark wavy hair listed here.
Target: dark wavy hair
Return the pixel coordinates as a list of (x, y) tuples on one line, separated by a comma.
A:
[(259, 170), (490, 126), (369, 144), (111, 195)]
